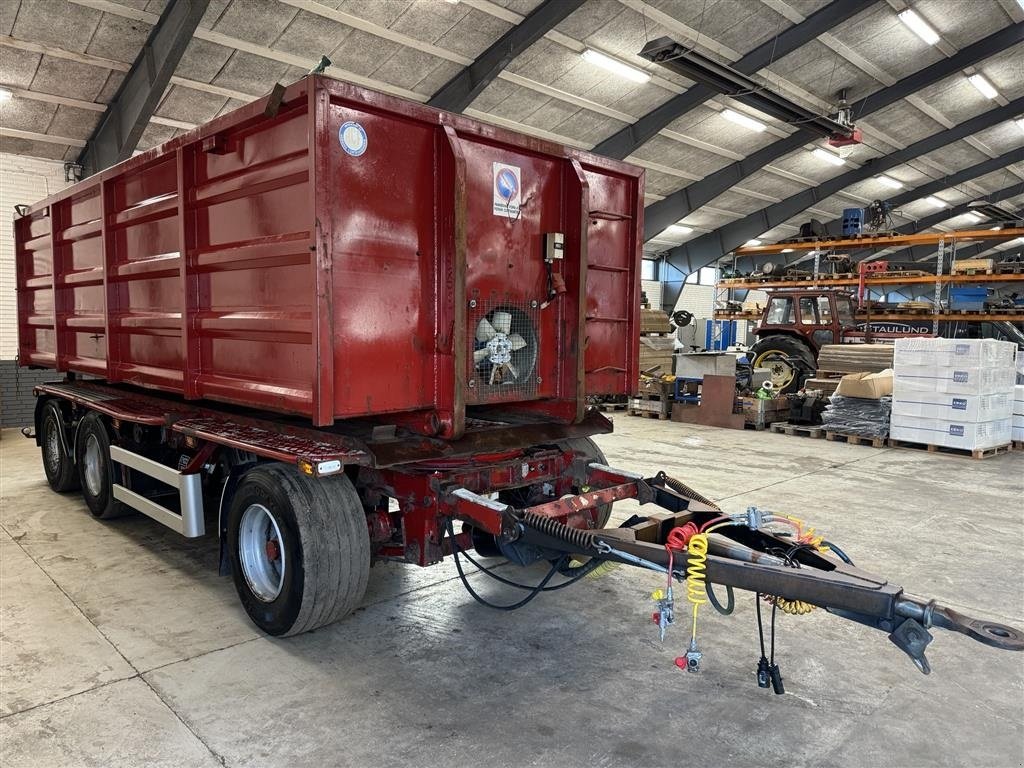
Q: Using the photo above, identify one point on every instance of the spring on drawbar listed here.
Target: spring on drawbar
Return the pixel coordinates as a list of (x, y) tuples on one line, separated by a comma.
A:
[(686, 492), (583, 540)]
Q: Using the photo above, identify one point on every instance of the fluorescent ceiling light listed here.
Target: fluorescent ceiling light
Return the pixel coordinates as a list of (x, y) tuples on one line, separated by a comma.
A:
[(753, 242), (889, 181), (787, 250), (741, 119), (996, 228), (614, 65), (677, 230), (828, 157), (5, 95), (936, 201), (918, 26), (984, 86)]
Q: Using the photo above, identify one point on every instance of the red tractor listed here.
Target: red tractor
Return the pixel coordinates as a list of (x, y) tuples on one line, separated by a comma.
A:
[(797, 322)]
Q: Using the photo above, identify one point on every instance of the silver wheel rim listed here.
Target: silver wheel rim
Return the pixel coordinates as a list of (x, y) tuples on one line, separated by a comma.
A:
[(261, 551), (52, 443), (93, 461)]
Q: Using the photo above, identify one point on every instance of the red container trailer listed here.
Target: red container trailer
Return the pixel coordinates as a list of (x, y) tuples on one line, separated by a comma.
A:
[(331, 325), (352, 255)]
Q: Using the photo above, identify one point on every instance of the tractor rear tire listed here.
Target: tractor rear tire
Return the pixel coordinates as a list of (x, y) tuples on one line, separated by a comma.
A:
[(776, 352), (299, 548)]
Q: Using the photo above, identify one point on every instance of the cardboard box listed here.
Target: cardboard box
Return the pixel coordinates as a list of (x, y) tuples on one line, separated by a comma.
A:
[(656, 351), (966, 380), (951, 434), (869, 386), (935, 405), (955, 353)]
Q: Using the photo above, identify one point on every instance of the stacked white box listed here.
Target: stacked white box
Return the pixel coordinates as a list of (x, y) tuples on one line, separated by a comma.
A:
[(1018, 413), (957, 393)]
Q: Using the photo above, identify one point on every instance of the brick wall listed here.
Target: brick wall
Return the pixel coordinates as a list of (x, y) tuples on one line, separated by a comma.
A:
[(23, 180)]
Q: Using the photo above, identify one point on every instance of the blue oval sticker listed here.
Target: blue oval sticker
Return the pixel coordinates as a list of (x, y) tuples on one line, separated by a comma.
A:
[(352, 138)]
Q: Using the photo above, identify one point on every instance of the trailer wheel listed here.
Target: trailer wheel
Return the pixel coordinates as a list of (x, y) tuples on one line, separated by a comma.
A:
[(299, 548), (57, 463), (96, 470), (587, 448)]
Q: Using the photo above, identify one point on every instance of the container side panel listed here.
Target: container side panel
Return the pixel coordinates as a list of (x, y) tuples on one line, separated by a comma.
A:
[(612, 281), (80, 296), (143, 262), (250, 263), (383, 246), (37, 341)]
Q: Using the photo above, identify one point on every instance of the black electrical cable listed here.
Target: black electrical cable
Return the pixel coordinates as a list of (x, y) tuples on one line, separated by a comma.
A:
[(760, 625), (730, 602), (458, 553), (574, 575), (839, 553)]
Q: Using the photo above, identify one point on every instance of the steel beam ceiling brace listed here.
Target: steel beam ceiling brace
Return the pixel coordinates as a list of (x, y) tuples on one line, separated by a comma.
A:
[(708, 248), (659, 215), (128, 113), (631, 137), (459, 92)]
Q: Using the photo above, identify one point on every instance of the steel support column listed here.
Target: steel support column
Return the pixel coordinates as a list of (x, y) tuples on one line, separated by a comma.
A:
[(128, 113), (459, 92), (659, 215)]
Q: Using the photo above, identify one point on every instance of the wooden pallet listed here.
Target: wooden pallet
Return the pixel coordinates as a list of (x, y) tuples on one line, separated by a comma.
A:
[(874, 442), (649, 414), (612, 407), (972, 271), (1018, 445), (803, 430), (982, 453)]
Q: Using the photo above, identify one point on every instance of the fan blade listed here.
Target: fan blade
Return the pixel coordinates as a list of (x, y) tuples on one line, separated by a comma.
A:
[(480, 355), (512, 370), (502, 322), (517, 342), (484, 330)]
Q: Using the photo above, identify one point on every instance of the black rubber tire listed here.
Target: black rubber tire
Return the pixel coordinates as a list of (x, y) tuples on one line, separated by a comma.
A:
[(325, 538), (792, 348), (588, 449), (58, 465), (102, 503)]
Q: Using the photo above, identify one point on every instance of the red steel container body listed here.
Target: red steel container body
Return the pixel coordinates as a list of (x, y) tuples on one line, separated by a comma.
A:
[(334, 259)]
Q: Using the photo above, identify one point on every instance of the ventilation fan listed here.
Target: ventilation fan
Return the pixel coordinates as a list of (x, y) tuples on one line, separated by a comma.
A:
[(505, 352)]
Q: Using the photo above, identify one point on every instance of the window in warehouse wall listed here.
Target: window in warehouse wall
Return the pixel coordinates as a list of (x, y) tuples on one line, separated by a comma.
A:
[(648, 269), (707, 275)]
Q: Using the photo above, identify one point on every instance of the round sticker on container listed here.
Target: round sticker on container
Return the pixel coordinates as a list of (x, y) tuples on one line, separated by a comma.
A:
[(352, 138)]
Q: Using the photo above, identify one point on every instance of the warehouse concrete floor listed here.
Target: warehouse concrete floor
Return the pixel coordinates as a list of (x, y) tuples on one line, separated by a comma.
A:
[(121, 645)]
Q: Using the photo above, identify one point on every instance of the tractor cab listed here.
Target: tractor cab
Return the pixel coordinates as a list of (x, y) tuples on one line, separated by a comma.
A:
[(794, 326)]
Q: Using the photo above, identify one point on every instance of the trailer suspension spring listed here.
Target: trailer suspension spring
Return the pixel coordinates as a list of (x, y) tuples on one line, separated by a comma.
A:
[(686, 491), (579, 538)]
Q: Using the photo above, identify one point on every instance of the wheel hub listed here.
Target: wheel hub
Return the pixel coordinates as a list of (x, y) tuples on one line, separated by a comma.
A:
[(260, 552), (93, 461)]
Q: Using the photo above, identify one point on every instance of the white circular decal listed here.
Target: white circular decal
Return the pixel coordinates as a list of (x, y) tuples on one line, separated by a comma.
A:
[(352, 138)]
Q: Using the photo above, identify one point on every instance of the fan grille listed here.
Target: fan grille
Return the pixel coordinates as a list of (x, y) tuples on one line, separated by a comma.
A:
[(503, 351)]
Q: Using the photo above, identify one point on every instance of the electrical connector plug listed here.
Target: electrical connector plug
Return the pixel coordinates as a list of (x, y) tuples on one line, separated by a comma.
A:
[(691, 661), (763, 673), (776, 677)]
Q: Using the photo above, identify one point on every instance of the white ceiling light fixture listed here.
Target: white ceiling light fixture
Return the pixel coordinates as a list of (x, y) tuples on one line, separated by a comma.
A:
[(933, 200), (787, 250), (889, 181), (677, 230), (984, 87), (828, 157), (996, 228), (5, 95), (615, 66), (740, 119), (918, 26), (753, 243)]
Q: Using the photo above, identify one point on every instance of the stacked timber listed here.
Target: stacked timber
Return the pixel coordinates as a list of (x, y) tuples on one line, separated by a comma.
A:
[(654, 321), (854, 358), (657, 344)]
